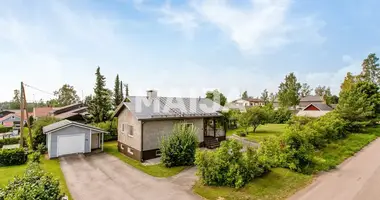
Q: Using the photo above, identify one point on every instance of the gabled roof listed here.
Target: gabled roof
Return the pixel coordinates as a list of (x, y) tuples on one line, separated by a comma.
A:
[(314, 98), (170, 107), (66, 123), (42, 111), (320, 106)]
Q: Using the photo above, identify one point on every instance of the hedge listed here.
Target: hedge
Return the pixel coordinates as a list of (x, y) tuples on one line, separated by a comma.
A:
[(110, 127), (7, 141), (10, 157), (4, 129)]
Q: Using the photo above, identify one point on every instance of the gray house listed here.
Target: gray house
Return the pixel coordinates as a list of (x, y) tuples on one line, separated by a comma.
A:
[(144, 120), (68, 137)]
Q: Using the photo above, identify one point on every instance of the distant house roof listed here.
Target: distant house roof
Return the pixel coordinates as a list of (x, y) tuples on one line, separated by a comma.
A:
[(250, 99), (66, 123), (42, 111), (170, 107), (312, 98), (319, 106)]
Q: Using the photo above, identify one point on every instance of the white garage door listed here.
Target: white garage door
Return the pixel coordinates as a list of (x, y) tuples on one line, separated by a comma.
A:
[(70, 144)]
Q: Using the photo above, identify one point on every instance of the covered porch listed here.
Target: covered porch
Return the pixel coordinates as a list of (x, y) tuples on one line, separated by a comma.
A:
[(97, 140), (214, 131)]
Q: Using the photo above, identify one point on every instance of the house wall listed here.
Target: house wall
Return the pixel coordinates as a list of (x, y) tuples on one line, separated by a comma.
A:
[(52, 139), (311, 107), (129, 145), (11, 118)]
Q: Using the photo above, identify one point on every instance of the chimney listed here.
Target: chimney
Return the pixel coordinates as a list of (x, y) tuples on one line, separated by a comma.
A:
[(151, 94)]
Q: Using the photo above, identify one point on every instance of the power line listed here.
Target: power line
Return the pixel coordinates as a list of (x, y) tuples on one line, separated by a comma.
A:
[(35, 88)]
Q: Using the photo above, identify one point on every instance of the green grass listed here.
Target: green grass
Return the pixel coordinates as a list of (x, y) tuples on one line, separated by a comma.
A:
[(52, 166), (338, 151), (158, 170), (278, 184), (262, 132)]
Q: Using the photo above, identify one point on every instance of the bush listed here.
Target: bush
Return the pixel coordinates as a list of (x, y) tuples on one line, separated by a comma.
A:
[(242, 134), (228, 166), (7, 141), (35, 157), (280, 116), (273, 149), (299, 121), (33, 184), (41, 148), (178, 148), (4, 129), (10, 157), (38, 136), (110, 127)]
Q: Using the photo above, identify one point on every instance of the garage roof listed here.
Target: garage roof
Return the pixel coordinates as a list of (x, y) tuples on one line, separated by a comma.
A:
[(66, 123)]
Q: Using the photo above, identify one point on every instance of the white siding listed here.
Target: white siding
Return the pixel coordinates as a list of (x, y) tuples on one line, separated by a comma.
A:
[(126, 117)]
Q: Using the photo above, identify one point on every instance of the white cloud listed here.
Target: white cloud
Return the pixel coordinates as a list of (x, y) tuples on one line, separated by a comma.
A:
[(264, 25)]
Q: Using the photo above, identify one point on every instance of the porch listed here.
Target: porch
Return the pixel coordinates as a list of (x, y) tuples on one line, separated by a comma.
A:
[(213, 132)]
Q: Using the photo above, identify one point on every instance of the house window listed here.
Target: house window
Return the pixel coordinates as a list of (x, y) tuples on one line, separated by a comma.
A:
[(130, 130), (130, 151), (158, 153)]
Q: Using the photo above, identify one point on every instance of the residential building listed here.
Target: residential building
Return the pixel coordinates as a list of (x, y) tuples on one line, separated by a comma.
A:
[(144, 120), (315, 110), (74, 112), (311, 99)]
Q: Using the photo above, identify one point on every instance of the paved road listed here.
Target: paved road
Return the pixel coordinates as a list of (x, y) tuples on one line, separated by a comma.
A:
[(356, 179), (104, 177)]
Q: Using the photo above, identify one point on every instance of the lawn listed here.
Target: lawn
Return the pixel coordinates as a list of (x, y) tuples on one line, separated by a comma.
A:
[(158, 170), (51, 166), (278, 184), (263, 131)]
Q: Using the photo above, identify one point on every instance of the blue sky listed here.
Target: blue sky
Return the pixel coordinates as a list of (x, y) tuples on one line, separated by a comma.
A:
[(183, 48)]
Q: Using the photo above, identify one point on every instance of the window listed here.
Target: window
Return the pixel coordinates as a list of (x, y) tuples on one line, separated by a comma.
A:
[(158, 153), (130, 130), (130, 151)]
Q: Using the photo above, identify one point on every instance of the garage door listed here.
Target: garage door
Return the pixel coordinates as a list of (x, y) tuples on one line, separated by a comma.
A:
[(70, 144)]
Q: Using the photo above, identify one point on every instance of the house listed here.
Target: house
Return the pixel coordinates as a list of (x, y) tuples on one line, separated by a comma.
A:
[(249, 102), (73, 112), (10, 119), (42, 111), (68, 137), (144, 120), (315, 110), (6, 112), (311, 99)]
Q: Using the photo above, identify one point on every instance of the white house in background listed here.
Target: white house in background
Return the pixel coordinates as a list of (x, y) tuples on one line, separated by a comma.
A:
[(68, 137), (315, 110)]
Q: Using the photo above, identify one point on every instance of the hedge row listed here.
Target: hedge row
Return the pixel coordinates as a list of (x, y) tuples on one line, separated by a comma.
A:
[(4, 129), (10, 157), (7, 141), (229, 166)]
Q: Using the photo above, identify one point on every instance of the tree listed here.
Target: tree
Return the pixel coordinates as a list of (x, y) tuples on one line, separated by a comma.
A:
[(244, 95), (348, 82), (16, 101), (324, 92), (121, 91), (258, 116), (66, 95), (305, 90), (52, 103), (116, 93), (272, 97), (100, 104), (126, 90), (244, 120), (265, 97), (289, 91), (334, 99), (217, 97), (371, 69)]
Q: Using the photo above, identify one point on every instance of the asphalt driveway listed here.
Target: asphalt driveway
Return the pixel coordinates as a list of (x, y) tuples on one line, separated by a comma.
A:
[(101, 177), (358, 178)]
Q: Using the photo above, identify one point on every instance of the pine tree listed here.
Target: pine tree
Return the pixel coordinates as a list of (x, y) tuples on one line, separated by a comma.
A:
[(117, 96), (101, 102), (244, 95), (126, 90), (121, 92)]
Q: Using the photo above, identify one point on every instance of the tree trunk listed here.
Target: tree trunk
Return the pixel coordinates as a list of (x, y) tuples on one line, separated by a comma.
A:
[(254, 129)]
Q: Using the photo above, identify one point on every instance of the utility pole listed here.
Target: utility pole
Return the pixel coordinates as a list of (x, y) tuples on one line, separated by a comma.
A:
[(24, 109)]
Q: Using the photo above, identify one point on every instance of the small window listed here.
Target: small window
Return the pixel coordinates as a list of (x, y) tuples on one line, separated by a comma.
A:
[(130, 130), (158, 153), (130, 151)]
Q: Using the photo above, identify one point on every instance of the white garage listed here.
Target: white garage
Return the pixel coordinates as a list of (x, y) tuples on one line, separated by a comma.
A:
[(68, 137)]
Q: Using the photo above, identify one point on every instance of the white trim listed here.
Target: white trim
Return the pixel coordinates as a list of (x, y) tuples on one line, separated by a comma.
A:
[(102, 141), (90, 141), (130, 150), (158, 154)]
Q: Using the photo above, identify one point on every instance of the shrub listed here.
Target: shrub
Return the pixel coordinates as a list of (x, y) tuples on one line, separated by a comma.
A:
[(10, 157), (33, 184), (41, 148), (281, 116), (110, 127), (272, 149), (179, 147), (242, 134), (7, 141), (35, 157), (299, 121), (38, 136), (4, 129), (228, 166)]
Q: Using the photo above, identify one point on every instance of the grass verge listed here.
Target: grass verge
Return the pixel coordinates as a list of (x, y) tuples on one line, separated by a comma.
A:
[(262, 132), (278, 184), (158, 170)]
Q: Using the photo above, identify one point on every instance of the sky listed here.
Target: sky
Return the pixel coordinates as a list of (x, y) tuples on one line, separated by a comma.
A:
[(183, 48)]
